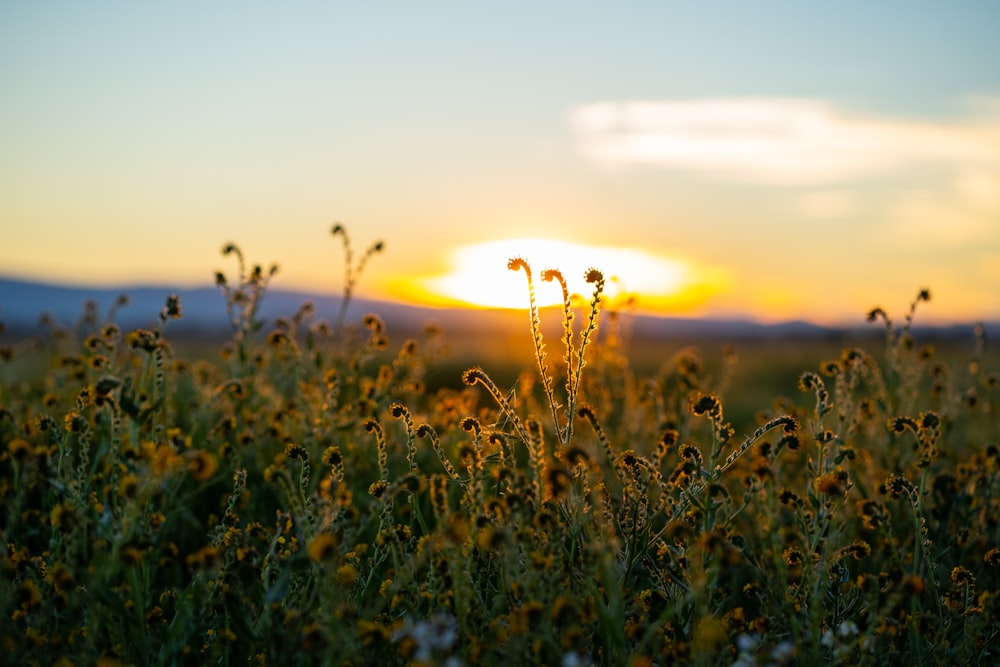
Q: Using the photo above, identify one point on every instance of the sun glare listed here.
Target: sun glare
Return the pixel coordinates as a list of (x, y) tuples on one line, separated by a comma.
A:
[(480, 277)]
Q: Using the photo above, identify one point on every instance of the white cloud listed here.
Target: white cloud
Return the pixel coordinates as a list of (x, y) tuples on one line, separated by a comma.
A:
[(778, 140)]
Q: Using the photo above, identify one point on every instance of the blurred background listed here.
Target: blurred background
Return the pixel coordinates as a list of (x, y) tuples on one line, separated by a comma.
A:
[(763, 162)]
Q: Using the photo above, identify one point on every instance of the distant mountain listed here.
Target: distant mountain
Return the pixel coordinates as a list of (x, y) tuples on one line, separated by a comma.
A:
[(23, 302)]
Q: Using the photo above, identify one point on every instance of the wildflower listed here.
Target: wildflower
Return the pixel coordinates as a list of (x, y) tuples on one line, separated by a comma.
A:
[(412, 482), (847, 629), (691, 453), (346, 575), (706, 404), (142, 339), (992, 557), (322, 547), (204, 558), (792, 556), (132, 555), (834, 483), (19, 449), (74, 422), (372, 633), (61, 577), (783, 653), (961, 576), (296, 452), (399, 534), (896, 486), (172, 311), (63, 516), (373, 323), (709, 633), (557, 482), (575, 456), (202, 465), (574, 659), (831, 367), (991, 381), (440, 631), (312, 637), (105, 386), (518, 263), (791, 441), (914, 584), (276, 338), (859, 549), (526, 617), (873, 514), (128, 486), (491, 538), (761, 469), (28, 596)]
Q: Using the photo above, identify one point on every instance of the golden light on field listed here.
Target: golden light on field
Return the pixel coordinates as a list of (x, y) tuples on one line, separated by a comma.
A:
[(479, 277)]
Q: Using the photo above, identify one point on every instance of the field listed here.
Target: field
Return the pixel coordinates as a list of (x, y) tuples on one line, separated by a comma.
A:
[(322, 492)]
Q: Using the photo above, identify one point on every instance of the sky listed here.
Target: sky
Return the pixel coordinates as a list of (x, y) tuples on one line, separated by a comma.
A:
[(772, 160)]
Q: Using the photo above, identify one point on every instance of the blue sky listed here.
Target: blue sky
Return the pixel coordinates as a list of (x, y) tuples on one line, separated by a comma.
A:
[(800, 161)]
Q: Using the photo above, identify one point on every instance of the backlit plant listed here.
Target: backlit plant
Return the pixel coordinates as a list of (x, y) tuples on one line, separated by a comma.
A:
[(308, 499)]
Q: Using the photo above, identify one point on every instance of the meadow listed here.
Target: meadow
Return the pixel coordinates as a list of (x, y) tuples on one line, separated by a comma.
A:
[(318, 491)]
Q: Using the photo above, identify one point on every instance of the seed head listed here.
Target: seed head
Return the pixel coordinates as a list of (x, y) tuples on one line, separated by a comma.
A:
[(474, 375), (517, 263), (876, 313), (549, 275)]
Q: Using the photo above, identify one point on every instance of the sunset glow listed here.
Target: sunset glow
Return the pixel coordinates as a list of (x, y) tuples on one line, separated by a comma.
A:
[(727, 163), (479, 276)]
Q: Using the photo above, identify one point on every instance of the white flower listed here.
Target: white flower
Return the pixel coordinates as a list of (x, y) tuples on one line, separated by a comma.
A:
[(783, 653), (440, 631), (574, 659), (847, 629)]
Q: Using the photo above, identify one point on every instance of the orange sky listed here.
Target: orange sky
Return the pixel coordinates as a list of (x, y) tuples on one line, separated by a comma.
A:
[(777, 161)]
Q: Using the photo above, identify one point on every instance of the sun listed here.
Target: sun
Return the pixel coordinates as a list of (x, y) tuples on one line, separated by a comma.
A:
[(479, 276)]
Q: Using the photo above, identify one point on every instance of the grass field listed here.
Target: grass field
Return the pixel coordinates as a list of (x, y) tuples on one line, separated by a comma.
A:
[(318, 492)]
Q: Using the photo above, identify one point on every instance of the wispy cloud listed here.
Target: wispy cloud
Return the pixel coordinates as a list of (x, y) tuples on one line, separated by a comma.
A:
[(962, 211), (779, 140)]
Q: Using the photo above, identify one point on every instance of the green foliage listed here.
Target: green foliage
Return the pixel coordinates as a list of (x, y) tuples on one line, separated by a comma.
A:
[(304, 499)]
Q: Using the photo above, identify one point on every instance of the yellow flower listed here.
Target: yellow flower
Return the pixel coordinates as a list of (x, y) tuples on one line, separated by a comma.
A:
[(28, 595), (128, 486), (202, 465), (346, 575), (19, 449), (63, 516), (322, 547), (163, 458)]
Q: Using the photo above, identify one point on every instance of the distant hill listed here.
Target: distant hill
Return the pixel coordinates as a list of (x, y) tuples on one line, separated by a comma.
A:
[(23, 302)]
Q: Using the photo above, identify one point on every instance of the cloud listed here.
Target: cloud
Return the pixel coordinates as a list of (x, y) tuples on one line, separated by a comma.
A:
[(960, 212), (828, 205), (779, 140)]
